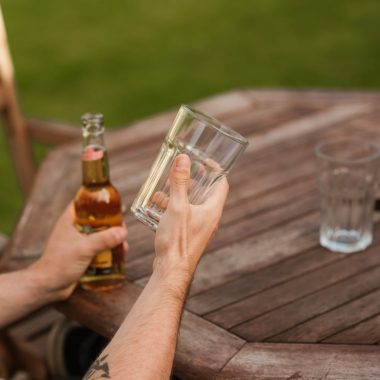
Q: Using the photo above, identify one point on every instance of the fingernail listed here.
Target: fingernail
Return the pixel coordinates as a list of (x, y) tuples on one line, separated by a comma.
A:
[(181, 162)]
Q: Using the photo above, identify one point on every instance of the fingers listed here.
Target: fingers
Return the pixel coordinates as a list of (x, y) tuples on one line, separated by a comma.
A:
[(179, 180), (106, 239), (218, 195), (160, 200), (213, 165)]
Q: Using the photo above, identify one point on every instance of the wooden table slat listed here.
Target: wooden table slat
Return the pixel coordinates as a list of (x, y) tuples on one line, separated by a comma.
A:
[(283, 318), (347, 315), (281, 361), (365, 332), (306, 283), (230, 293)]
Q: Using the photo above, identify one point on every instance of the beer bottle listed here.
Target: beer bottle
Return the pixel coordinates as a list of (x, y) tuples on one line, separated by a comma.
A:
[(98, 206)]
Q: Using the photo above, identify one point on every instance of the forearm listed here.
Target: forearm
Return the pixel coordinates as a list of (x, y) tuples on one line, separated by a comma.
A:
[(144, 346), (22, 292)]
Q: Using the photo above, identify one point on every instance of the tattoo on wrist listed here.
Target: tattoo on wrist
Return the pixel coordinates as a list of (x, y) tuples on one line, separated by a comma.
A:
[(99, 369)]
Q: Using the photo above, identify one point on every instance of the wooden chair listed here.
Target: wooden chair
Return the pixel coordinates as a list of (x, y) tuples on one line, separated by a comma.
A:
[(21, 131)]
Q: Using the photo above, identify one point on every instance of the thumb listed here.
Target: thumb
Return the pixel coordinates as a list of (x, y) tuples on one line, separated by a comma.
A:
[(179, 179), (106, 239)]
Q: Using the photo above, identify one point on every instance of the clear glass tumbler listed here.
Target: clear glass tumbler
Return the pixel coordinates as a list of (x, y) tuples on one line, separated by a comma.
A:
[(212, 148), (348, 174)]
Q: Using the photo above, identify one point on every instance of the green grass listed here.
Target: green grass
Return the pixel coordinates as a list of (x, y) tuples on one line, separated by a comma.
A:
[(133, 58)]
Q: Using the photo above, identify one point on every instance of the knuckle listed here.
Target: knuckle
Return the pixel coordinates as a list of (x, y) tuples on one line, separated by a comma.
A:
[(112, 240), (180, 181), (106, 240)]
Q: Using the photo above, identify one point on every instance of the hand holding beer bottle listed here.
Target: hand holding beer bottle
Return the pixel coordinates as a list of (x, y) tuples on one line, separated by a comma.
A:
[(67, 255)]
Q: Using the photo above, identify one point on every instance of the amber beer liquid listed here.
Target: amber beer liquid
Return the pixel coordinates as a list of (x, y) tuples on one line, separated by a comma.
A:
[(98, 207)]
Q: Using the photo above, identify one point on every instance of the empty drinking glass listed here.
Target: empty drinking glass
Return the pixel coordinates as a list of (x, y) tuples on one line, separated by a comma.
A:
[(212, 148), (348, 173)]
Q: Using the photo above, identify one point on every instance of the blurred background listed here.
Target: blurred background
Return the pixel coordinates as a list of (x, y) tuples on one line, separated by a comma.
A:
[(133, 58)]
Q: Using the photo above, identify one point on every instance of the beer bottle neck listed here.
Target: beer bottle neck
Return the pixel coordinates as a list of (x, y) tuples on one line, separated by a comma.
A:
[(95, 167), (94, 154)]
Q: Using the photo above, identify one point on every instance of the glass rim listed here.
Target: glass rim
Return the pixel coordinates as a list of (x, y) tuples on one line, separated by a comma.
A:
[(216, 124), (351, 161)]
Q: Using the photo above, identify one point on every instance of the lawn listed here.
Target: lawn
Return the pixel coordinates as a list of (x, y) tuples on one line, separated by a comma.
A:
[(133, 58)]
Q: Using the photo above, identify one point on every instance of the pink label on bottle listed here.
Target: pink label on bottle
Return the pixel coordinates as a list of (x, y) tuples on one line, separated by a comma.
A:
[(92, 154)]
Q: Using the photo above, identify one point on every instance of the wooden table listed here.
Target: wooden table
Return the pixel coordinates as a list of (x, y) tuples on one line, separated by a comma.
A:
[(267, 302)]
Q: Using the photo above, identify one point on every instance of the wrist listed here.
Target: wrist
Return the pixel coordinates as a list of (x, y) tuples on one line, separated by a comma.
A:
[(45, 284), (39, 284), (173, 266), (173, 287), (176, 276)]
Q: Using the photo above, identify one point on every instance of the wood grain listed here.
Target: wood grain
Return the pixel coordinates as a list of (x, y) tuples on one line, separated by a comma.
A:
[(241, 258), (203, 349), (365, 332), (283, 318), (341, 268), (329, 323), (300, 361), (230, 293)]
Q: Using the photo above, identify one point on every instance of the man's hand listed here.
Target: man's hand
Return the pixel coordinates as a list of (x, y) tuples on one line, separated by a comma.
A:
[(185, 230), (68, 253), (144, 346)]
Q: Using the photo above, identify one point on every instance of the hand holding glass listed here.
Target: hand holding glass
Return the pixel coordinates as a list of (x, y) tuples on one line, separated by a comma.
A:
[(212, 148)]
